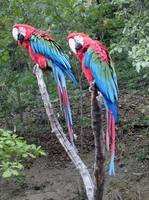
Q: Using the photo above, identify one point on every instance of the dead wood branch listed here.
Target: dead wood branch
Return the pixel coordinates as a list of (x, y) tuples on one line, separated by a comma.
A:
[(58, 131), (99, 165)]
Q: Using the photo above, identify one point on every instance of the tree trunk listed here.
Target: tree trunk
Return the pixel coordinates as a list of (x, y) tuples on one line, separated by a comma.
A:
[(142, 4), (19, 104), (99, 165), (57, 129), (98, 1), (81, 114)]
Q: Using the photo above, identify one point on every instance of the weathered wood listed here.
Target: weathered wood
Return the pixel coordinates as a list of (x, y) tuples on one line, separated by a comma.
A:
[(57, 129), (99, 165)]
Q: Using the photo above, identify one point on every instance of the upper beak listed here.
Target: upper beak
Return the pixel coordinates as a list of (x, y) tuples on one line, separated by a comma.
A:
[(78, 46), (20, 37)]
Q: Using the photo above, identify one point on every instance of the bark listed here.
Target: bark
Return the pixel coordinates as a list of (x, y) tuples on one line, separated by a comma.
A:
[(19, 103), (99, 165), (143, 6), (98, 1), (81, 114), (58, 131)]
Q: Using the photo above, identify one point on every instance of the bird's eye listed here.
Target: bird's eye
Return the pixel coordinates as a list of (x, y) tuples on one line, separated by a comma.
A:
[(22, 31), (78, 39)]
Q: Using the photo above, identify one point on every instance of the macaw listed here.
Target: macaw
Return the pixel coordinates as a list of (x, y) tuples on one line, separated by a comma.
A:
[(47, 54), (99, 71)]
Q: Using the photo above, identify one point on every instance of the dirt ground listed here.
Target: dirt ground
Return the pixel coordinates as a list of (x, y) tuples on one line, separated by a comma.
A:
[(57, 183), (54, 177)]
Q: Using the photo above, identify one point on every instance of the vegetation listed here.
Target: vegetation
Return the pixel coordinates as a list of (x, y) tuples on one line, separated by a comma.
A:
[(13, 151), (123, 25)]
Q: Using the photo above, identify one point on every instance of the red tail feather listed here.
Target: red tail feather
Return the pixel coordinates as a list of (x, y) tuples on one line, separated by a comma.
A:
[(110, 140), (112, 134), (112, 124), (60, 97), (63, 95), (108, 131)]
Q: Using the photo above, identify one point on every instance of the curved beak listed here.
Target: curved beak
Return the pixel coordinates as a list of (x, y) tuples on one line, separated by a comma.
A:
[(20, 37), (78, 46)]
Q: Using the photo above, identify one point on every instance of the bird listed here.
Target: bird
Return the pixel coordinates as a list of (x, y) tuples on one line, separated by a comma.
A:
[(99, 70), (48, 55)]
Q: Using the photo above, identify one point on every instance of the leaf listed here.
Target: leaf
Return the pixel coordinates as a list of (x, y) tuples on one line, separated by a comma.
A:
[(7, 173), (138, 67), (14, 152)]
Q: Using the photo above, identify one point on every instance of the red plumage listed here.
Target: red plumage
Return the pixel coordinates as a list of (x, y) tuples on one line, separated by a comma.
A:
[(29, 31), (97, 67), (46, 53), (97, 47)]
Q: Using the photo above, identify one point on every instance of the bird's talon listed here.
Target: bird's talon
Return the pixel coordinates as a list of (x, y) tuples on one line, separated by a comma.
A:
[(35, 68), (92, 86)]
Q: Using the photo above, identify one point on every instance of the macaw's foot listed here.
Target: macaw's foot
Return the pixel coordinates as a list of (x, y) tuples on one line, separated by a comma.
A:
[(92, 86), (99, 97), (35, 68)]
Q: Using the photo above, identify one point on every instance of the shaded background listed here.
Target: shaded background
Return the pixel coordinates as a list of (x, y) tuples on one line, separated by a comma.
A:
[(123, 25)]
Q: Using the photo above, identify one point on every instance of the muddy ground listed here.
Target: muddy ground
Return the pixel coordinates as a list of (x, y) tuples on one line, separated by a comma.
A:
[(54, 177)]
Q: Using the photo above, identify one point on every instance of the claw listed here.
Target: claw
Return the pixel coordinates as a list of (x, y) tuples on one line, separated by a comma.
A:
[(99, 97), (92, 86), (35, 68)]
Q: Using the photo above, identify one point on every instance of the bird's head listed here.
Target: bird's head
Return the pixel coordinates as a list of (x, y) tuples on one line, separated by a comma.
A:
[(22, 32), (78, 41)]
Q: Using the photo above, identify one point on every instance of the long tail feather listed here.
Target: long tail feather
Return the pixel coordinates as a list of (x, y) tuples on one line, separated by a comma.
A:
[(112, 124), (60, 99), (108, 131), (67, 113), (64, 100)]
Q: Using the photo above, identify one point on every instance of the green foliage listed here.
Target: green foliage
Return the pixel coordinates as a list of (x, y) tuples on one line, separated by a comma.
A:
[(13, 152), (123, 25), (133, 40)]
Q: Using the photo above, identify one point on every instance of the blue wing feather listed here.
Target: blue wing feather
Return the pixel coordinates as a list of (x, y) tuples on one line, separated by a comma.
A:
[(52, 52), (105, 79), (59, 63), (61, 83)]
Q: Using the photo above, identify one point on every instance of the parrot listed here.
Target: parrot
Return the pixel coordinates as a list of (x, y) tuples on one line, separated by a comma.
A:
[(99, 70), (48, 55)]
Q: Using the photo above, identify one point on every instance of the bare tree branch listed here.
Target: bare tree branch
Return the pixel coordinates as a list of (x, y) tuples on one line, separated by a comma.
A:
[(99, 165), (98, 1), (57, 129)]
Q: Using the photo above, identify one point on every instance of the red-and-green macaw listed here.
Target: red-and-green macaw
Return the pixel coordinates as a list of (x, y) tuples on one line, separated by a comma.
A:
[(46, 53), (98, 69)]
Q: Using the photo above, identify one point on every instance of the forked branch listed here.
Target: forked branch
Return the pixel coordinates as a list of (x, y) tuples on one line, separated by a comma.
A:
[(58, 131)]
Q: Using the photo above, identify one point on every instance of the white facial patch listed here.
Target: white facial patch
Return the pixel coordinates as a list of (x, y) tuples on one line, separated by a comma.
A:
[(22, 30), (79, 39), (72, 45), (15, 33)]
